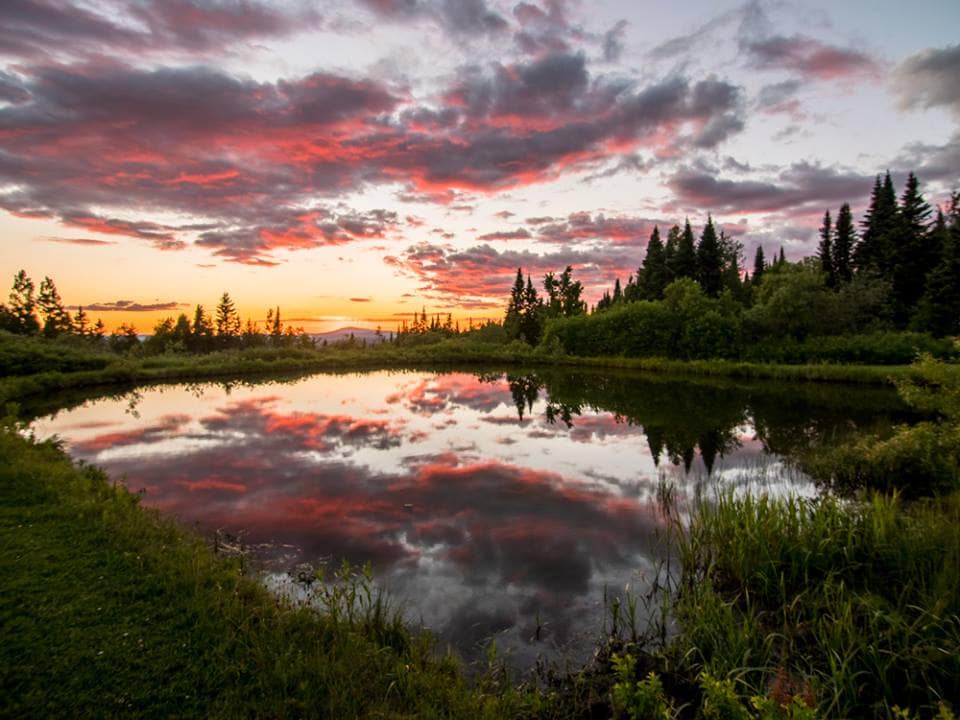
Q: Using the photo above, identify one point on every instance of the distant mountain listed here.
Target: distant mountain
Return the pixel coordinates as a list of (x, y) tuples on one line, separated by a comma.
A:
[(343, 333)]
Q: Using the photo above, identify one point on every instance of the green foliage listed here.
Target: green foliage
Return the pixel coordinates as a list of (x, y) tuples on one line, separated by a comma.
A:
[(919, 460), (30, 355), (863, 601), (638, 700), (685, 324)]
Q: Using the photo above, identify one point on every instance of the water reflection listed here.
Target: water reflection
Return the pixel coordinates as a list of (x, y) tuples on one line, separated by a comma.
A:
[(493, 504)]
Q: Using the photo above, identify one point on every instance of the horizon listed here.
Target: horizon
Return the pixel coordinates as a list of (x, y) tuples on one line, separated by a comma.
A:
[(353, 163)]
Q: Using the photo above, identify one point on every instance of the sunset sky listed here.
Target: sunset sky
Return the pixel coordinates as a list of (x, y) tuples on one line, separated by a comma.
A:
[(354, 161)]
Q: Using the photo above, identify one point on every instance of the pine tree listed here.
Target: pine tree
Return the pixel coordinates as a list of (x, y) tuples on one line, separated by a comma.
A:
[(23, 306), (915, 253), (201, 332), (511, 321), (530, 314), (732, 252), (685, 259), (939, 309), (843, 243), (181, 332), (825, 251), (759, 266), (670, 254), (570, 294), (709, 261), (617, 292), (81, 322), (228, 321), (56, 320), (875, 251), (653, 275)]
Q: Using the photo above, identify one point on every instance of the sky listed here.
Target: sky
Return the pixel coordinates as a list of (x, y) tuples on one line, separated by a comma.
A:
[(354, 162)]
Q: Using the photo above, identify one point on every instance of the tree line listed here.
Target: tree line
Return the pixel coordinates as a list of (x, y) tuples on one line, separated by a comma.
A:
[(901, 271), (30, 311)]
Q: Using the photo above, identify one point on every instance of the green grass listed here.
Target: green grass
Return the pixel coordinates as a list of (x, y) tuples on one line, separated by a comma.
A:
[(86, 368), (107, 610), (859, 603)]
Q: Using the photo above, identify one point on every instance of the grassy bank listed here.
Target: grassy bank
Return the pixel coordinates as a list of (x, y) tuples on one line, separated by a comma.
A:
[(108, 610), (83, 370), (857, 608)]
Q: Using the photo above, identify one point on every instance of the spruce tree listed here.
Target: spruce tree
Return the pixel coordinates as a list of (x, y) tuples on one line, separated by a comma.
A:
[(759, 266), (23, 305), (874, 253), (732, 251), (825, 251), (56, 320), (685, 259), (653, 274), (938, 311), (670, 254), (916, 252), (710, 261), (228, 321), (617, 292), (843, 243), (81, 322), (530, 314), (570, 294), (201, 332), (511, 321)]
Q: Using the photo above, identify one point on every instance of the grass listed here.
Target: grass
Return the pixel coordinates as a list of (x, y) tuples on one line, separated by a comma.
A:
[(75, 368), (110, 611), (859, 605)]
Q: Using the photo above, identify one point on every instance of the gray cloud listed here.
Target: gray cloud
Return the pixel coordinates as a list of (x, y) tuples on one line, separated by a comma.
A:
[(930, 79)]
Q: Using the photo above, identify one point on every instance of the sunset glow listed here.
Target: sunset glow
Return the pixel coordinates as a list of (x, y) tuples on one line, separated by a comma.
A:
[(355, 162)]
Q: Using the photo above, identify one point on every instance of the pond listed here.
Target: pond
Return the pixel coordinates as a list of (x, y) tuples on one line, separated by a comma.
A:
[(491, 505)]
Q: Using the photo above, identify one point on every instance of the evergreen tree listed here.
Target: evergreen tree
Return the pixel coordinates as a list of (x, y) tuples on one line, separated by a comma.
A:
[(670, 254), (275, 327), (604, 303), (875, 251), (201, 332), (825, 251), (710, 261), (181, 332), (511, 322), (56, 320), (530, 314), (939, 309), (570, 294), (22, 309), (124, 339), (916, 252), (554, 303), (732, 252), (782, 259), (81, 322), (844, 240), (617, 292), (759, 266), (653, 275), (228, 321), (685, 259)]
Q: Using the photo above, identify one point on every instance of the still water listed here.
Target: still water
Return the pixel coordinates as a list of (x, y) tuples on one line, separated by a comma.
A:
[(492, 506)]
